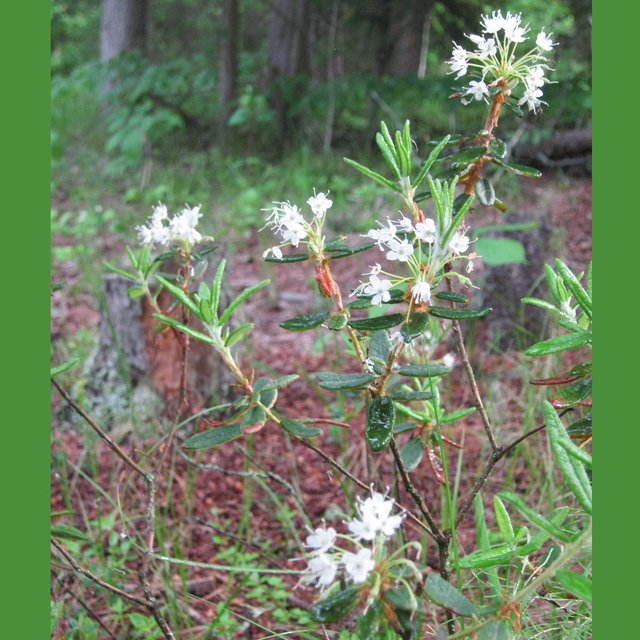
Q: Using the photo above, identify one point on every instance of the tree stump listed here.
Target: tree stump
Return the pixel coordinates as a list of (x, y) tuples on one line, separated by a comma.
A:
[(136, 367)]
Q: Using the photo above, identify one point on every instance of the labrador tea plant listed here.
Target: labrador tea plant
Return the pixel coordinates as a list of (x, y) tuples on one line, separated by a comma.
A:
[(396, 569)]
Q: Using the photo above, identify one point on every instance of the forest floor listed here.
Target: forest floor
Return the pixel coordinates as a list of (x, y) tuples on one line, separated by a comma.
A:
[(215, 498)]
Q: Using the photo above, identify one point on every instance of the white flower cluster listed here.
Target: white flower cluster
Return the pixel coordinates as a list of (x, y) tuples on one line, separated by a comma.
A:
[(180, 229), (401, 240), (287, 220), (494, 59), (374, 525)]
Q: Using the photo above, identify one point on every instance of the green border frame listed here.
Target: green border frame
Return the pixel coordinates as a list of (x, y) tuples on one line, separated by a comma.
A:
[(24, 548)]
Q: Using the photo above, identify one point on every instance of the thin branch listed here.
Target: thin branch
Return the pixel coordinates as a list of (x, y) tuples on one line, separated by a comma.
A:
[(90, 611), (411, 490), (495, 457), (336, 465), (94, 578), (94, 425), (474, 386)]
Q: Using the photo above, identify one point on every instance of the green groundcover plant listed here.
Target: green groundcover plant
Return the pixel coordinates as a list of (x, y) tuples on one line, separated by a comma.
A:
[(371, 571)]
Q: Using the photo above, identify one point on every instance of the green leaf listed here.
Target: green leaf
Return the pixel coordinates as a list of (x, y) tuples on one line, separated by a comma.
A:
[(415, 326), (379, 346), (68, 532), (482, 542), (344, 250), (253, 419), (336, 381), (447, 596), (572, 469), (576, 452), (267, 384), (452, 296), (337, 322), (534, 517), (504, 521), (457, 415), (426, 165), (401, 598), (460, 314), (335, 607), (582, 427), (372, 174), (411, 453), (465, 156), (292, 257), (388, 155), (216, 287), (572, 283), (409, 396), (121, 272), (496, 630), (377, 324), (205, 308), (487, 558), (135, 292), (381, 417), (213, 437), (573, 394), (238, 334), (241, 298), (577, 584), (181, 327), (180, 295), (424, 370), (485, 192), (300, 429), (519, 169), (305, 322), (498, 148), (497, 251), (64, 367), (559, 343)]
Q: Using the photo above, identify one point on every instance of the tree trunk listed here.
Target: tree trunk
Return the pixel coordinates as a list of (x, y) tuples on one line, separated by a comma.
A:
[(287, 53), (228, 62), (123, 27)]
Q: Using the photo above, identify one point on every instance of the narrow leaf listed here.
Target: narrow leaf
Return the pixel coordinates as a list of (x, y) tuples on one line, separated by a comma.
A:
[(424, 370), (460, 314), (447, 596), (337, 381), (300, 429), (241, 298), (213, 437), (305, 322), (377, 324), (372, 174), (559, 343), (181, 327), (381, 417)]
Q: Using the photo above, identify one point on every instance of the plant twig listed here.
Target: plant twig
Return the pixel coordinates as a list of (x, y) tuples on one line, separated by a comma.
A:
[(336, 465), (417, 498), (94, 425), (94, 578), (486, 422)]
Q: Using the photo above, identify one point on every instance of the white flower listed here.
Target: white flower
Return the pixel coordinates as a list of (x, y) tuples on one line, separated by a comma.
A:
[(383, 235), (512, 29), (478, 89), (159, 214), (401, 250), (375, 270), (358, 565), (183, 225), (319, 203), (532, 97), (375, 516), (543, 41), (293, 234), (486, 46), (322, 568), (421, 292), (449, 360), (426, 231), (469, 267), (535, 77), (404, 224), (275, 251), (379, 289), (321, 539), (493, 23), (459, 61), (459, 243)]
